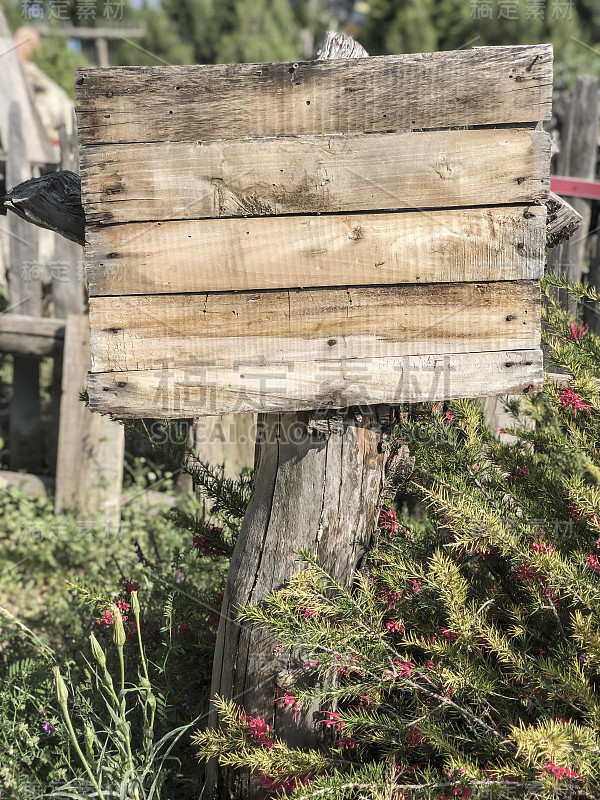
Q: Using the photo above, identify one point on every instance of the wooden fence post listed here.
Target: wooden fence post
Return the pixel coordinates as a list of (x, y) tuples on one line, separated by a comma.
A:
[(577, 159), (89, 467), (317, 485), (67, 289), (25, 288)]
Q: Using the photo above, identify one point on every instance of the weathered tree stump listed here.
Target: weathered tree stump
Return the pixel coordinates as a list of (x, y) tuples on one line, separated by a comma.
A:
[(318, 485)]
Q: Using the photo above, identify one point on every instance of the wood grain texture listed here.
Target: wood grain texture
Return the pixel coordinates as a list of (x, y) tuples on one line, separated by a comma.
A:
[(561, 221), (482, 86), (312, 174), (184, 330), (504, 243), (51, 201), (177, 393)]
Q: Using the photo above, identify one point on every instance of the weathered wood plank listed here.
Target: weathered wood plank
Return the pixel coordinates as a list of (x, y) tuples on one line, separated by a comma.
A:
[(176, 393), (312, 174), (52, 201), (561, 222), (505, 243), (31, 336), (482, 86), (183, 330), (89, 468)]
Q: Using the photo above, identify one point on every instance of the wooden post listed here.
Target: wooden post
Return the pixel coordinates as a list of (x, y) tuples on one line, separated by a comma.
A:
[(67, 278), (577, 159), (89, 467), (67, 290), (317, 485), (25, 287)]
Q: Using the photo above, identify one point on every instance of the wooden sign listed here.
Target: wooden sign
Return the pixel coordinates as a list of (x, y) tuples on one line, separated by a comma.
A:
[(278, 237)]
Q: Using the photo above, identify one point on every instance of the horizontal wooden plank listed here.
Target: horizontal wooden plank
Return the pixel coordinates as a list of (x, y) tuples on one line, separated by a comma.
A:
[(482, 86), (21, 334), (312, 174), (148, 332), (176, 393), (504, 243)]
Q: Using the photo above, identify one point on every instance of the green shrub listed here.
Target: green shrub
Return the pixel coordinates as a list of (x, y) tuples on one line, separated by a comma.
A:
[(63, 581)]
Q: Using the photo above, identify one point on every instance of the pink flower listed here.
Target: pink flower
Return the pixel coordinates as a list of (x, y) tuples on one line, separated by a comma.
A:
[(209, 637), (542, 547), (388, 520), (106, 620), (429, 664), (333, 720), (559, 772), (568, 399), (307, 613), (131, 586), (449, 414), (258, 729), (416, 585), (592, 562), (576, 332), (310, 664), (404, 668), (393, 626), (346, 742), (184, 629), (287, 700)]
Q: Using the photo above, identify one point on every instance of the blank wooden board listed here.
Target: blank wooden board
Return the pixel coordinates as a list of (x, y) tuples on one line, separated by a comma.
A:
[(310, 235)]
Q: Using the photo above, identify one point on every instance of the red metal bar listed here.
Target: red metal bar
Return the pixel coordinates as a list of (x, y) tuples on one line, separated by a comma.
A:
[(575, 187)]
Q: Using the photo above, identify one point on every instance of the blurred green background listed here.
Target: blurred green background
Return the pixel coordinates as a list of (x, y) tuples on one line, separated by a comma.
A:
[(230, 31)]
